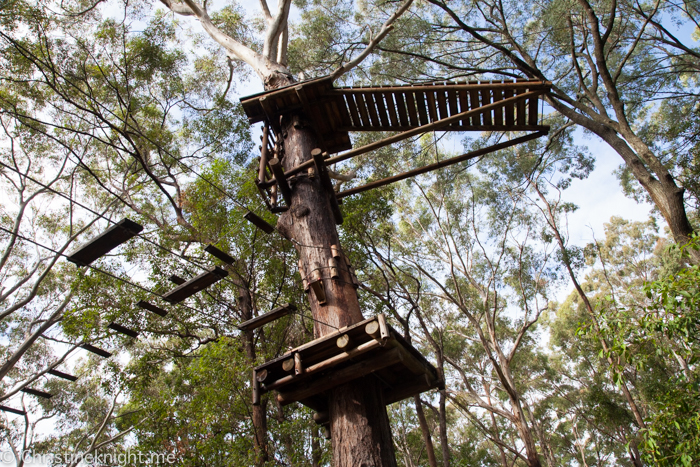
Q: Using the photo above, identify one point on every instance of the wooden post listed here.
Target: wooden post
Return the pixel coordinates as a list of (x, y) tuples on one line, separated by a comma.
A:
[(359, 425)]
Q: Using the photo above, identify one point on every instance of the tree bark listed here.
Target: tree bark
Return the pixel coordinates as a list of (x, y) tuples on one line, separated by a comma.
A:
[(444, 444), (360, 430)]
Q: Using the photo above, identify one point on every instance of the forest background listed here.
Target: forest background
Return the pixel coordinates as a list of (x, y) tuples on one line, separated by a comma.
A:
[(554, 351)]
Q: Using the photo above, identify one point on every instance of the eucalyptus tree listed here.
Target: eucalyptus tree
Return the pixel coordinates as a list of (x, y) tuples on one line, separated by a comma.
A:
[(625, 71)]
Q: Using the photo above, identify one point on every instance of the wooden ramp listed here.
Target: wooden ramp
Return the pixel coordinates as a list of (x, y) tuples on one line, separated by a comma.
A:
[(333, 112), (370, 348)]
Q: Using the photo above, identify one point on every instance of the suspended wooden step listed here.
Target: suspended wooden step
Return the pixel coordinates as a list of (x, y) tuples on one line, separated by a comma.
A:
[(37, 393), (4, 408), (152, 308), (99, 246), (123, 330), (219, 254), (333, 112), (96, 350), (259, 222), (195, 285), (370, 348), (177, 280), (63, 375), (277, 313)]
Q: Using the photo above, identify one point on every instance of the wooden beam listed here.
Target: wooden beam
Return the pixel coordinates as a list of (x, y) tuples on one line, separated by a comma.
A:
[(99, 246), (123, 330), (37, 393), (324, 177), (277, 313), (534, 84), (439, 165), (175, 279), (259, 222), (194, 285), (5, 408), (152, 308), (96, 350), (219, 254), (63, 375)]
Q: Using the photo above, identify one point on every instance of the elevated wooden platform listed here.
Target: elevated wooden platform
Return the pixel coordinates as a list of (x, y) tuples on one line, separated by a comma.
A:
[(369, 348), (333, 112)]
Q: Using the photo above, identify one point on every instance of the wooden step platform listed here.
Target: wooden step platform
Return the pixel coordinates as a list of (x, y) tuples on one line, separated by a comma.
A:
[(370, 348), (333, 112)]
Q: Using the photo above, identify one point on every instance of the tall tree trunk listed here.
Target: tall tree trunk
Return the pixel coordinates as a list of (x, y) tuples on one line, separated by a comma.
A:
[(425, 429), (444, 444), (259, 411), (360, 430)]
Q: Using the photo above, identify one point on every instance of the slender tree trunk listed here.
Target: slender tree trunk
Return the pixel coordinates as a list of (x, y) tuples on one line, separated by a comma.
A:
[(315, 447), (444, 444), (360, 430), (426, 431), (259, 411)]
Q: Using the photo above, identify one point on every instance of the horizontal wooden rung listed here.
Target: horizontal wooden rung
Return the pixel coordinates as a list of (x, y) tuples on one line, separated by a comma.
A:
[(37, 393), (5, 408), (105, 242), (123, 330), (96, 350), (63, 375), (268, 317), (259, 222), (152, 308), (194, 285), (220, 254)]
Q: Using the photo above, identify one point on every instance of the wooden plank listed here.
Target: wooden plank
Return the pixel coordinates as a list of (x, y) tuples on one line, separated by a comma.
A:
[(340, 109), (123, 330), (277, 313), (391, 109), (111, 238), (195, 285), (401, 107), (37, 393), (432, 108), (96, 350), (532, 110), (5, 408), (259, 222), (441, 97), (509, 109), (498, 112), (454, 109), (152, 308), (464, 105), (421, 105), (520, 113), (381, 109), (219, 254), (411, 105), (362, 106), (372, 109), (63, 375), (352, 106), (485, 100), (474, 103)]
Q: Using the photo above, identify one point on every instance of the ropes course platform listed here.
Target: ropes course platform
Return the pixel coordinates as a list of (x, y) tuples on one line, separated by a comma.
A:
[(401, 111), (333, 112), (369, 348)]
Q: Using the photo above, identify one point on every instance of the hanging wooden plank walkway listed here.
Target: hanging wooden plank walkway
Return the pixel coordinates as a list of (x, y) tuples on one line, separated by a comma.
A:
[(369, 348), (333, 112)]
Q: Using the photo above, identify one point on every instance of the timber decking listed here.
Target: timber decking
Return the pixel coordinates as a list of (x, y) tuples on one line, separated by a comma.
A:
[(333, 112)]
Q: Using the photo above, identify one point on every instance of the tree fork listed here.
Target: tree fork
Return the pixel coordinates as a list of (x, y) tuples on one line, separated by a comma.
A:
[(360, 430)]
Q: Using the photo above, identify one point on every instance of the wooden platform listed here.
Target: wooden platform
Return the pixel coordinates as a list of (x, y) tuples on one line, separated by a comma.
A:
[(369, 348), (333, 112)]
